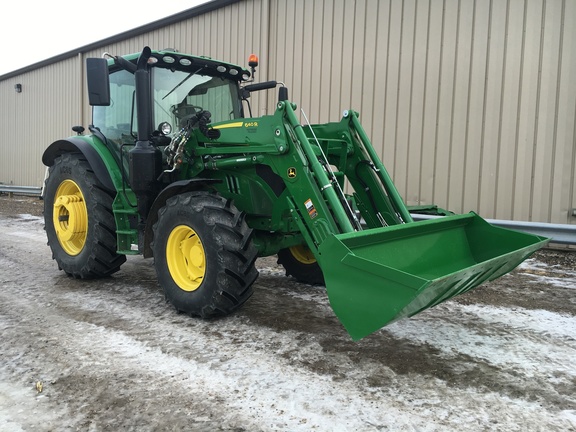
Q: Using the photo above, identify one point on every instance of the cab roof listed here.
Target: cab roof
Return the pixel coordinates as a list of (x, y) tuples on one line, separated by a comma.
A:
[(189, 63)]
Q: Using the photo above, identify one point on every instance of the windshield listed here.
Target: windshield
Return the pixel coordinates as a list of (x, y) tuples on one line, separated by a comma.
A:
[(179, 95)]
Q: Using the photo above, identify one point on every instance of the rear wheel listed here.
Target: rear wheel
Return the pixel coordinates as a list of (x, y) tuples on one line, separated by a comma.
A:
[(299, 261), (79, 221), (203, 254)]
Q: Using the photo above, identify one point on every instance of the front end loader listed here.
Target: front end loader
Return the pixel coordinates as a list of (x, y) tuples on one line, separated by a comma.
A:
[(175, 169)]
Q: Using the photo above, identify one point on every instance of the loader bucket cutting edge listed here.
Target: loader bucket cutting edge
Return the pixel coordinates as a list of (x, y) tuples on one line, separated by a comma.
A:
[(377, 276)]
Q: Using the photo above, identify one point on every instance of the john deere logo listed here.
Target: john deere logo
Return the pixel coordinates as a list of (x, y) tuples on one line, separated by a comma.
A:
[(291, 172)]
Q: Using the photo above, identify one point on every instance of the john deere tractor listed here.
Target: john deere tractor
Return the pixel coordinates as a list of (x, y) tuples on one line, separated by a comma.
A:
[(176, 168)]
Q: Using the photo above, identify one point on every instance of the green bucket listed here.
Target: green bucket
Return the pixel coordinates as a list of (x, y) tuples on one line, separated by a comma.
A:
[(377, 276)]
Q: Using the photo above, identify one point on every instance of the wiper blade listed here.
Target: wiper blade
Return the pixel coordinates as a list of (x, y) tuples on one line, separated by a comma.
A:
[(182, 82)]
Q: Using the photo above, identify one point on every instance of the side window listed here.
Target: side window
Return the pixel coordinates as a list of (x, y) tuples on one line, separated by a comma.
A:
[(115, 120)]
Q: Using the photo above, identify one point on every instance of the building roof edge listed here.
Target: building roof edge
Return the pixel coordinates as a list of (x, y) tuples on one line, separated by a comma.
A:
[(137, 31)]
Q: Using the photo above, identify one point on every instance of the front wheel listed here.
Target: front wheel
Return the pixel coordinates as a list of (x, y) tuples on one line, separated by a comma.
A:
[(203, 254)]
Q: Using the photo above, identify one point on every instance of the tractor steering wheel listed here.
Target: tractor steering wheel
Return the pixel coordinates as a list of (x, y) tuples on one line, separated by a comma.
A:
[(185, 112)]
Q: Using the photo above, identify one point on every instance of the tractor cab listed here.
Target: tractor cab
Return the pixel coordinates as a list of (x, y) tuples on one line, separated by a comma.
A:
[(182, 86)]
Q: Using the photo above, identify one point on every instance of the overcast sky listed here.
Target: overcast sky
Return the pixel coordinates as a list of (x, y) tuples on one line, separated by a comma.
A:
[(35, 30)]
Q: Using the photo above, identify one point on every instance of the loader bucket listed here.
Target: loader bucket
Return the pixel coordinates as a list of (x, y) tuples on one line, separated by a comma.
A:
[(377, 276)]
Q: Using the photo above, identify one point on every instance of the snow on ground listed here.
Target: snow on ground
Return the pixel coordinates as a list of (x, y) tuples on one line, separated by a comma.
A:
[(30, 234), (519, 338), (112, 356), (540, 272), (264, 391), (29, 217)]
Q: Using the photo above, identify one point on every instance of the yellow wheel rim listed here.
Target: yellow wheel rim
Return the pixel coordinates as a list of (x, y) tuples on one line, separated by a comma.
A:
[(186, 258), (303, 254), (70, 217)]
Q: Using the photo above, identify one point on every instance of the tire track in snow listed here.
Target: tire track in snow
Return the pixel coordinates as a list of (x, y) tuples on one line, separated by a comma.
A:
[(256, 386)]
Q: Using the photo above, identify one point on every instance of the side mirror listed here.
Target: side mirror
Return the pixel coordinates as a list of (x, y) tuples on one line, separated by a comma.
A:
[(98, 81)]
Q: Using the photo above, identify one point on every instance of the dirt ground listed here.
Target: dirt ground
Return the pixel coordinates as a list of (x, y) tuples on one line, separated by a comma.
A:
[(110, 354)]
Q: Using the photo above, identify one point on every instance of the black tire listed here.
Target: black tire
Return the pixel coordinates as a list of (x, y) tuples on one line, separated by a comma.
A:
[(203, 254), (84, 241), (298, 262)]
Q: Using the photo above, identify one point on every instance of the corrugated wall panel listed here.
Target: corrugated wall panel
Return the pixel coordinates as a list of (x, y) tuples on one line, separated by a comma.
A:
[(544, 134), (494, 36), (415, 157), (528, 94), (446, 105), (460, 146), (10, 106), (505, 164), (567, 120), (563, 107)]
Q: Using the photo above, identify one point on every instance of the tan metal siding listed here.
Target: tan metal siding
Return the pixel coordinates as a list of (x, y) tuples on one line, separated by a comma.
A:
[(470, 103), (47, 108), (10, 108)]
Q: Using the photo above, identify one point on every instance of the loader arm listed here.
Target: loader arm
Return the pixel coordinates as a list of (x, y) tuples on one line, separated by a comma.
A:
[(389, 267), (378, 264)]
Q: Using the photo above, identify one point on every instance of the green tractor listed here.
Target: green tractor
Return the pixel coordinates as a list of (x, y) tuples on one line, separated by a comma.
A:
[(175, 169)]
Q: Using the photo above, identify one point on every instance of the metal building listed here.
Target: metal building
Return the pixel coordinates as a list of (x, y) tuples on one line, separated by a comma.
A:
[(471, 103)]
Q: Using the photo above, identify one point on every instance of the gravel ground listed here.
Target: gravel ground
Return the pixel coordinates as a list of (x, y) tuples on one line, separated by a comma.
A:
[(111, 355)]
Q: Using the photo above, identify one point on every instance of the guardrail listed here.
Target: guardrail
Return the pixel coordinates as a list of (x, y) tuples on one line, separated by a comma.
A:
[(559, 233), (21, 190)]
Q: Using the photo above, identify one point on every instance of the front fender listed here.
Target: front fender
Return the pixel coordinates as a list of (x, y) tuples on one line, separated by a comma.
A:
[(92, 155), (175, 188)]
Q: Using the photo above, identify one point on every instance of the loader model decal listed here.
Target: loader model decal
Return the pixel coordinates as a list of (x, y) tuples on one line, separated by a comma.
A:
[(311, 209), (229, 125)]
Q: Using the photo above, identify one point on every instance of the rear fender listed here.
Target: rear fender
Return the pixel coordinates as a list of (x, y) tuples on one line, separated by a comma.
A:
[(77, 145), (171, 190)]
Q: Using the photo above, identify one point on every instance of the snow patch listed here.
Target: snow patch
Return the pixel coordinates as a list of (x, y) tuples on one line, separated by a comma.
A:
[(30, 235), (29, 217), (545, 273), (535, 342)]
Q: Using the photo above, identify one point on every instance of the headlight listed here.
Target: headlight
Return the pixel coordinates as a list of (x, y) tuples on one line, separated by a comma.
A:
[(165, 128)]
